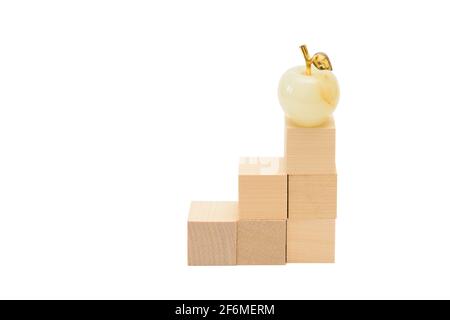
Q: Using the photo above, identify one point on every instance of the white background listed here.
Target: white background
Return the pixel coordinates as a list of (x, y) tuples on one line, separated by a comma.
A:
[(114, 115)]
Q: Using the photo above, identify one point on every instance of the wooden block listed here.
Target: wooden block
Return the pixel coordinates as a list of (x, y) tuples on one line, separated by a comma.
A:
[(212, 233), (261, 242), (312, 196), (310, 240), (262, 189), (310, 150)]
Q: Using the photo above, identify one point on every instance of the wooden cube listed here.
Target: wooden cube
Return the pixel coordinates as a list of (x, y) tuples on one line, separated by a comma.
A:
[(212, 233), (310, 150), (312, 196), (261, 242), (262, 189), (310, 240)]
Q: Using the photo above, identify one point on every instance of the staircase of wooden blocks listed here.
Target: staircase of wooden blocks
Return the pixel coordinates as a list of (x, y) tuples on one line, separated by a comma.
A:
[(286, 210)]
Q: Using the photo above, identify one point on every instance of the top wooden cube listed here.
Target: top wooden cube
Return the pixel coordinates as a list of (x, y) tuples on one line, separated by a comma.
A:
[(262, 189), (310, 150)]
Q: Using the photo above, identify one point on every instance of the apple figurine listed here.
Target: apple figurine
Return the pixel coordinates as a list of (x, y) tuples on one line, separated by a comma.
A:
[(308, 97)]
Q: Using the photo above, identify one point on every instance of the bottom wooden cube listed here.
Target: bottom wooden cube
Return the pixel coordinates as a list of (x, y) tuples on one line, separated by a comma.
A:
[(310, 240), (212, 233), (261, 242)]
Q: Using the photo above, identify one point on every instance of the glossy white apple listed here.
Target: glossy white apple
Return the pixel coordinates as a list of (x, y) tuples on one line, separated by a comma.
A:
[(308, 100)]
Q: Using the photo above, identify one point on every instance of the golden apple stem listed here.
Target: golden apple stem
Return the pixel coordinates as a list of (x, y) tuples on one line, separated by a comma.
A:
[(307, 59)]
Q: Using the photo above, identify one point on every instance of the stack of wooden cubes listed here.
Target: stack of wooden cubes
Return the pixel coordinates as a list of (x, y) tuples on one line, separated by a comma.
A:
[(286, 210), (311, 170)]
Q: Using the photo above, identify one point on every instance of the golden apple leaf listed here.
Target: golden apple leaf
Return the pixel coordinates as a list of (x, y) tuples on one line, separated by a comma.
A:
[(321, 61)]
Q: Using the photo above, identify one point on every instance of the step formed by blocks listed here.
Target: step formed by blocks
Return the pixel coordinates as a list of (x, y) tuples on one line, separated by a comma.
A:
[(261, 242), (310, 150), (310, 240), (312, 196), (212, 233), (262, 188)]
